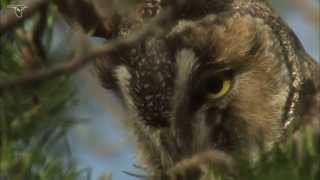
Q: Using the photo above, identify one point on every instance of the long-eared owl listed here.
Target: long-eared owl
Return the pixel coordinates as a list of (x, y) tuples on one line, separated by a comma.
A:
[(223, 75)]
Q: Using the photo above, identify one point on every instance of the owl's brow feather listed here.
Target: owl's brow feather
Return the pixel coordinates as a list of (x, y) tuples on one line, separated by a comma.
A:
[(240, 63)]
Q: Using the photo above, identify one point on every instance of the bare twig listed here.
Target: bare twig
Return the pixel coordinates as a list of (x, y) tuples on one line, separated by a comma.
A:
[(39, 31), (140, 176), (10, 20), (64, 68), (78, 62)]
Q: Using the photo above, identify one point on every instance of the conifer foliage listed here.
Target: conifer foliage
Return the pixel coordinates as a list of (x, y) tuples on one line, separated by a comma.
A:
[(34, 117)]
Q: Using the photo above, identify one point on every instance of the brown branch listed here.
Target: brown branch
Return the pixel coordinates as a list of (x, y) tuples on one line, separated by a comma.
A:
[(10, 20), (83, 14), (38, 32), (78, 62)]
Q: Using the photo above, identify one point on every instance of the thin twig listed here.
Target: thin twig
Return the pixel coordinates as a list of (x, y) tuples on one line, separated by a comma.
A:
[(10, 20), (64, 68), (78, 62), (136, 175), (38, 32)]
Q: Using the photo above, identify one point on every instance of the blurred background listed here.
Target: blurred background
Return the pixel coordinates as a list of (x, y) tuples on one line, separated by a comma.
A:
[(101, 142)]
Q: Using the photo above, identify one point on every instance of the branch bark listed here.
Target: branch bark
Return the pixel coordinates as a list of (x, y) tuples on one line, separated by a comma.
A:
[(79, 61)]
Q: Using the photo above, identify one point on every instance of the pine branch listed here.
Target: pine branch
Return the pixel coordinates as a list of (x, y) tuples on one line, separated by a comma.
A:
[(79, 61)]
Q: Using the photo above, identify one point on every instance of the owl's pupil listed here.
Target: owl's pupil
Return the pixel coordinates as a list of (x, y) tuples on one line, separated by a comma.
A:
[(214, 85)]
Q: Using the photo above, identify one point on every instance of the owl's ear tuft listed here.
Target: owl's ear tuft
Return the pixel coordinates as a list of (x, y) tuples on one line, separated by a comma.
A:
[(191, 9)]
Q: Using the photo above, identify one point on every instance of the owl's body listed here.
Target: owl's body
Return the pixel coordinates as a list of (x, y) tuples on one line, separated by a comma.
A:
[(227, 76)]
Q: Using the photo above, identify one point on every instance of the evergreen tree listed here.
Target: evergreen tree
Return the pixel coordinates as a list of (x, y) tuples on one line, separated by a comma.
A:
[(34, 117)]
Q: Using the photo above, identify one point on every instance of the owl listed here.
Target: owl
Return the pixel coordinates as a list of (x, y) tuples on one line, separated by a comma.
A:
[(223, 76)]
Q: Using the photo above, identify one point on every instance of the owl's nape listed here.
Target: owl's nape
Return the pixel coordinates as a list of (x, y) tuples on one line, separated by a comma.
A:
[(227, 76)]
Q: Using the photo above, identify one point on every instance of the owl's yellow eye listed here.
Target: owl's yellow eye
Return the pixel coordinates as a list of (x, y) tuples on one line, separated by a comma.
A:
[(218, 87)]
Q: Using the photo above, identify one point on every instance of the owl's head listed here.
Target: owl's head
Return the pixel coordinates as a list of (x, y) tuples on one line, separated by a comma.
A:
[(226, 78)]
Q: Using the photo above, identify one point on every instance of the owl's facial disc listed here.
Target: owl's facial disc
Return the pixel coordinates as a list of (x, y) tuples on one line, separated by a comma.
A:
[(206, 77)]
